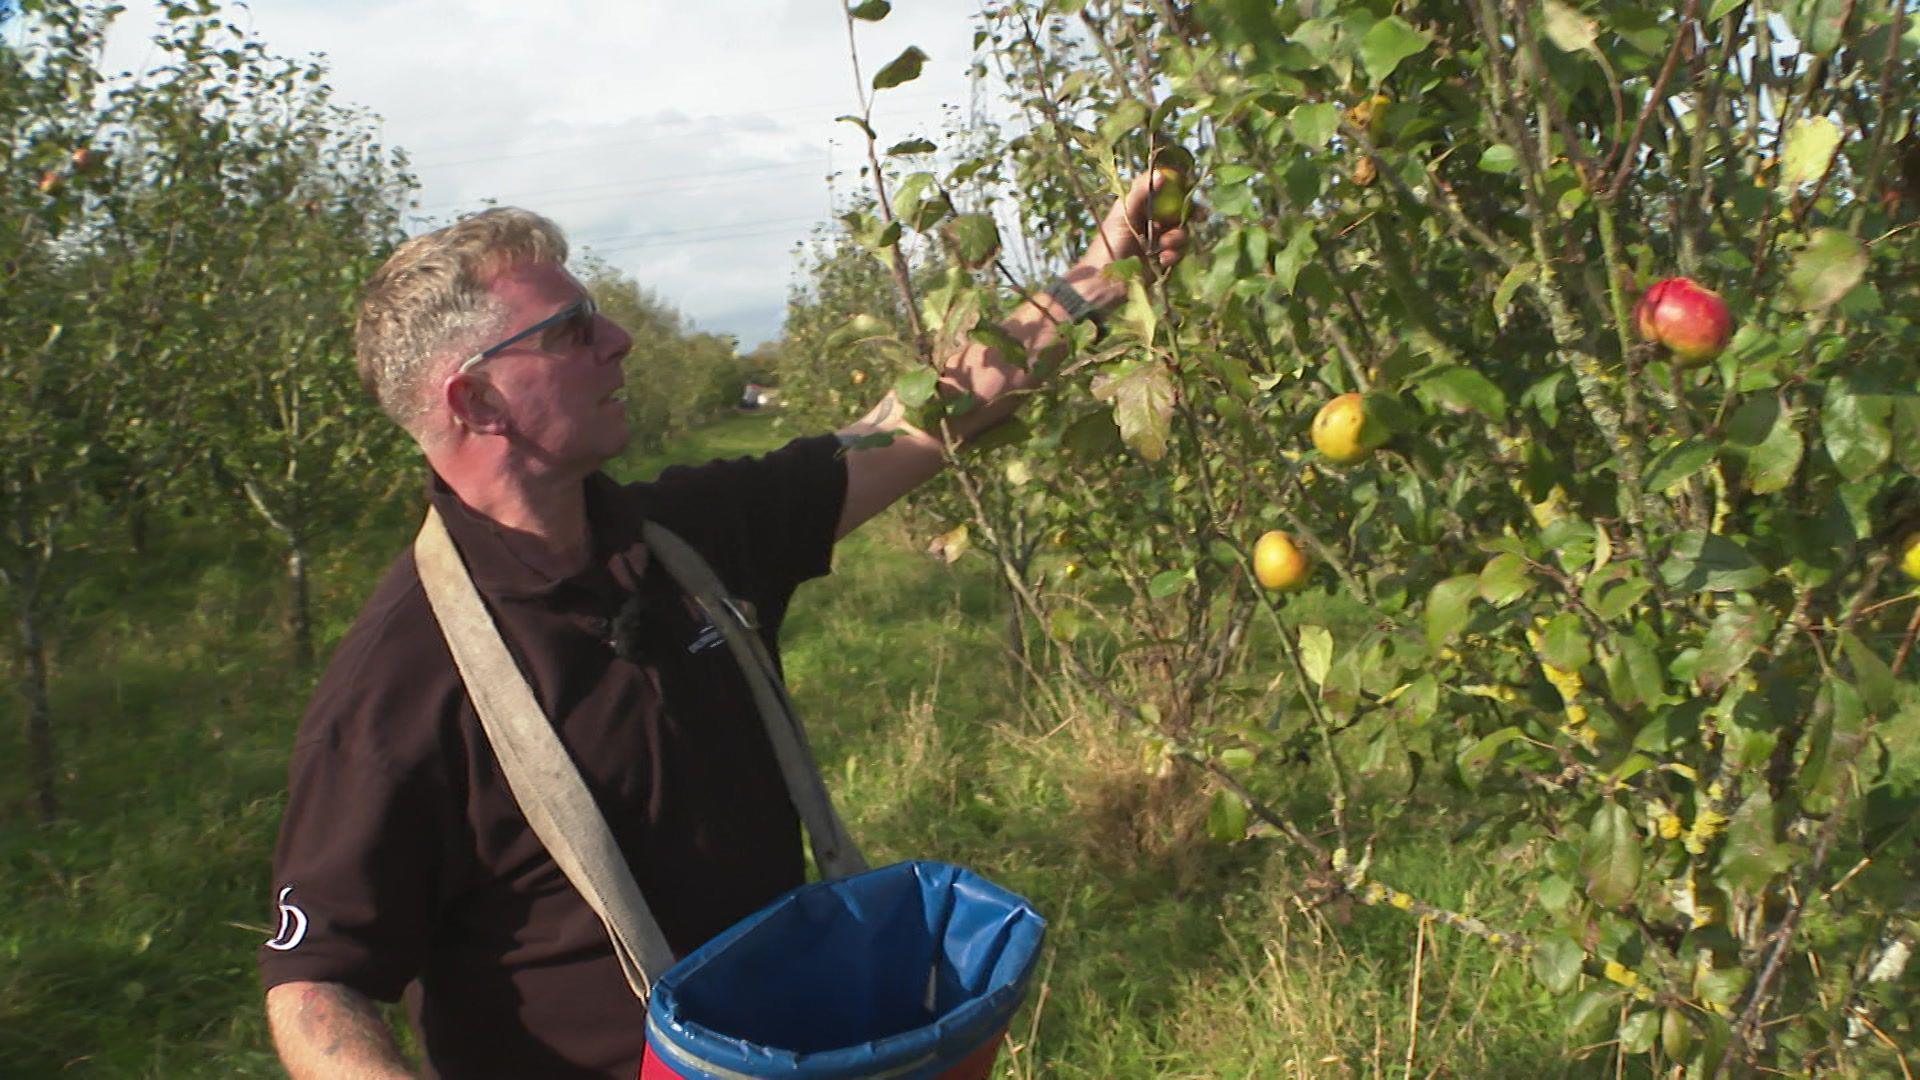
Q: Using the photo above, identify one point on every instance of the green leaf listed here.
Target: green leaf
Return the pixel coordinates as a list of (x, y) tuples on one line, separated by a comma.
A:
[(1390, 41), (1125, 118), (1676, 463), (1873, 676), (1638, 1033), (1591, 1012), (1731, 641), (1510, 284), (871, 10), (1499, 158), (906, 197), (1753, 856), (1569, 30), (1614, 595), (1707, 562), (1610, 856), (1565, 645), (1810, 146), (1761, 431), (1168, 582), (995, 337), (907, 147), (1463, 388), (1857, 429), (1556, 962), (1504, 579), (858, 122), (1474, 758), (974, 238), (1236, 759), (901, 69), (1093, 436), (1009, 432), (1227, 817), (1316, 653), (1826, 25), (1634, 675), (1448, 607), (1300, 250), (1142, 398), (1826, 269), (916, 387), (1313, 125), (1721, 8)]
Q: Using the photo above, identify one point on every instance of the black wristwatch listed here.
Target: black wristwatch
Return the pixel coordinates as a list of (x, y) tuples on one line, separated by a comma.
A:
[(1078, 307)]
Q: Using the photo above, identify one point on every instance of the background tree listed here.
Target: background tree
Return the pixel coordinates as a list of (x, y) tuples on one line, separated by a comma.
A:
[(179, 307)]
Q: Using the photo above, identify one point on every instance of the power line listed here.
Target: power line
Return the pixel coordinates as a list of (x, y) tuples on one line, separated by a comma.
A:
[(657, 239), (703, 132), (695, 230), (633, 185)]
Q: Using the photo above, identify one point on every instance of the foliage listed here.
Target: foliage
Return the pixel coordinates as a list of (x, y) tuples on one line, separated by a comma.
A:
[(1638, 614), (179, 315)]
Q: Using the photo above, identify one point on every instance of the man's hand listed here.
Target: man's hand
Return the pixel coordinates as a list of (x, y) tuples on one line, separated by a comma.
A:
[(1126, 232), (878, 476)]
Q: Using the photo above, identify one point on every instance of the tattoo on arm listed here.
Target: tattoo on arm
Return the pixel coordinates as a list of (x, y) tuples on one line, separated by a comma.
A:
[(325, 1031)]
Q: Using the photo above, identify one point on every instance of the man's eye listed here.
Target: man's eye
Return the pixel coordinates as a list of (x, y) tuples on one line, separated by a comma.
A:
[(577, 330)]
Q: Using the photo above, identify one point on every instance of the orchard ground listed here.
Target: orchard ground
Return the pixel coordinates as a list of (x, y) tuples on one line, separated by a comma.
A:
[(128, 928)]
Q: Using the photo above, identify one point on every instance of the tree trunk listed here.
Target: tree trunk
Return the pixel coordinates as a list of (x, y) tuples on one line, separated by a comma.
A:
[(137, 531), (39, 722), (301, 618)]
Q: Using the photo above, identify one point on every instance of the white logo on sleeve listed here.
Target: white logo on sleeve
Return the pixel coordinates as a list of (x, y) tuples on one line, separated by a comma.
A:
[(293, 924)]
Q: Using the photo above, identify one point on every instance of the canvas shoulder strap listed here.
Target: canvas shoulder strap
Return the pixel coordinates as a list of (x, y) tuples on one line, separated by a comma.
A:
[(542, 777), (833, 848)]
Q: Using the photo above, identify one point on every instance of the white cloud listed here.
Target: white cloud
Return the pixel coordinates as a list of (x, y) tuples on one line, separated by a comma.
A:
[(689, 143)]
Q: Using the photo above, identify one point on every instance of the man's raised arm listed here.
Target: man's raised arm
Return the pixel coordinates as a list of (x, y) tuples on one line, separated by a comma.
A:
[(877, 476), (326, 1031)]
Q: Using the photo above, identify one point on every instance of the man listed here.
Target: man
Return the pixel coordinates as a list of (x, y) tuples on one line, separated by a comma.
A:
[(403, 858)]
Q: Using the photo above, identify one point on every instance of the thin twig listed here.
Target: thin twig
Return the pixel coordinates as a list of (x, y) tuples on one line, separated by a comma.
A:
[(1656, 94), (1413, 1005)]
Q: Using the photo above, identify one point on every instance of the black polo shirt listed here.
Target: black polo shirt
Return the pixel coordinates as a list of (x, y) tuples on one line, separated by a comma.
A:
[(403, 857)]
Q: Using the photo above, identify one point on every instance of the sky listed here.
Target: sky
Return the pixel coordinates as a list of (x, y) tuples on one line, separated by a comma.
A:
[(689, 144)]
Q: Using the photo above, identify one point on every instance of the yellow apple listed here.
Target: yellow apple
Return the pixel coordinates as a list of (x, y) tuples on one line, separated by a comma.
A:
[(1343, 432), (1168, 207), (1278, 564), (1910, 557)]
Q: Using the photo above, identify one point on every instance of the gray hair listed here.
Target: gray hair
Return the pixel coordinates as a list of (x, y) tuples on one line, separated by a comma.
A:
[(430, 298)]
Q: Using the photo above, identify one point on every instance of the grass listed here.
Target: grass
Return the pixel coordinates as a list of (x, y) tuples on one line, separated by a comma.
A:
[(127, 930)]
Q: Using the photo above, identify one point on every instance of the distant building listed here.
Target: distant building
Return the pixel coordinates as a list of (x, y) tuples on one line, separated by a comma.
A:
[(756, 396)]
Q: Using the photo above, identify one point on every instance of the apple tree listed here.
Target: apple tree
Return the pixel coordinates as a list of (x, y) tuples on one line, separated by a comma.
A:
[(1627, 588)]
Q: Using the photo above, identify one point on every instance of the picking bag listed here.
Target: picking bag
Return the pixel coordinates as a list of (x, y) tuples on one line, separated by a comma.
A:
[(912, 971)]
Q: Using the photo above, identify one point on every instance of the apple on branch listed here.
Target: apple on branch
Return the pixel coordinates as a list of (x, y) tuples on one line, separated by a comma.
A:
[(1344, 432), (1278, 563), (1690, 320)]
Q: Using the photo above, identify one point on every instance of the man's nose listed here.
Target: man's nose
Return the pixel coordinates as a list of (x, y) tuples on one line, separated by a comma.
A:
[(616, 342)]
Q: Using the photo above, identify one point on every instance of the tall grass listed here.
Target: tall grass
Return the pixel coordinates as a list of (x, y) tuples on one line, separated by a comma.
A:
[(128, 929)]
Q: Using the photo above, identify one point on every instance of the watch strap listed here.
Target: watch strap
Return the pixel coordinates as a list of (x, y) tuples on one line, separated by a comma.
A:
[(1078, 307)]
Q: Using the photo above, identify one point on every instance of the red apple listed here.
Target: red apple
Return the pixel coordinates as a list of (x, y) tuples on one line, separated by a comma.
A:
[(1689, 319)]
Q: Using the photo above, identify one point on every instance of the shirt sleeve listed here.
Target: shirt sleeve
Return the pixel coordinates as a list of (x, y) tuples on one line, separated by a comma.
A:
[(767, 523), (356, 872)]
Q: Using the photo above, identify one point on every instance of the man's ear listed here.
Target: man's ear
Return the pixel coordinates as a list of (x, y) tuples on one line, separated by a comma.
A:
[(474, 405)]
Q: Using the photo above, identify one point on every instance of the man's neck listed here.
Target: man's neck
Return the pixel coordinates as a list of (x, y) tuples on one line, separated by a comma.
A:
[(543, 518)]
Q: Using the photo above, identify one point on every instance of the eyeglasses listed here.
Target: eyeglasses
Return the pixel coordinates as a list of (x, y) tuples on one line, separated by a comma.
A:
[(571, 325)]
